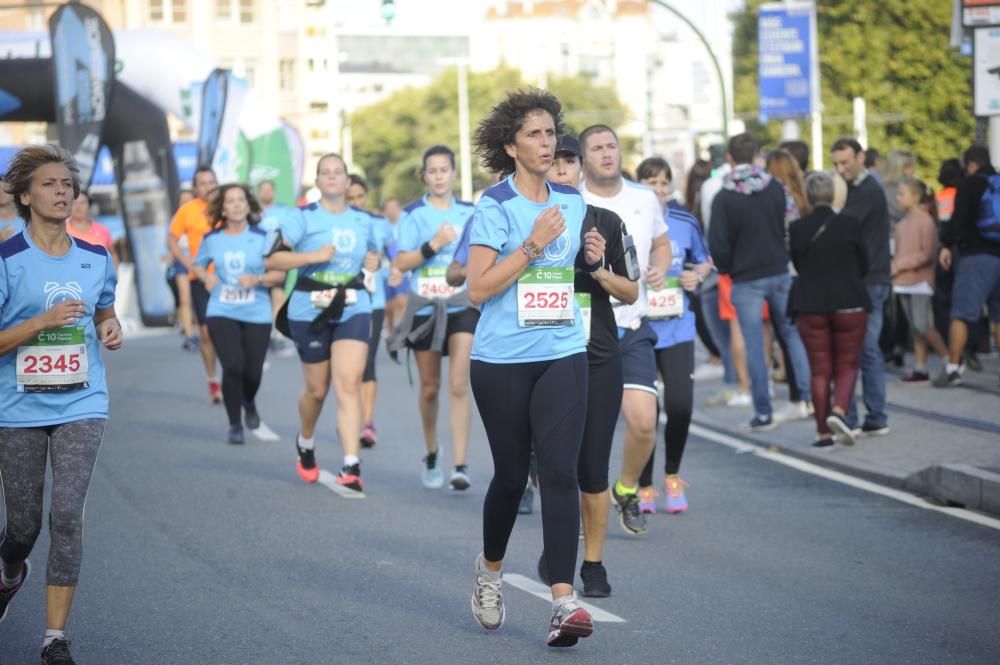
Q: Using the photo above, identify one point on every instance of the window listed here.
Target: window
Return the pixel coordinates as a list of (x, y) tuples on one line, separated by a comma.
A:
[(223, 10), (168, 11), (234, 10), (319, 106), (246, 11), (286, 74), (155, 10)]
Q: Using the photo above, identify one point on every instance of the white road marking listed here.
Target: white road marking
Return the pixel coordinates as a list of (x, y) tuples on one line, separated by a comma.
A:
[(265, 433), (329, 481), (741, 446), (545, 593)]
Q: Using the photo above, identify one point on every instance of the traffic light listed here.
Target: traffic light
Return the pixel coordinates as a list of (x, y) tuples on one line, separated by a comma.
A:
[(388, 10)]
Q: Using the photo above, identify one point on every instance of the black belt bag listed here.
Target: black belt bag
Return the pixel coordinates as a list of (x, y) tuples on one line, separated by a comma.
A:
[(332, 311)]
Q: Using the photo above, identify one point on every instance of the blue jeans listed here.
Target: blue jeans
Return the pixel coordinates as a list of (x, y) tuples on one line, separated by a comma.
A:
[(748, 300), (872, 363), (719, 330)]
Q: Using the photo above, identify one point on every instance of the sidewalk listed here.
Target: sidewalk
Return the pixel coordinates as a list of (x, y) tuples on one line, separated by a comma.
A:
[(944, 444)]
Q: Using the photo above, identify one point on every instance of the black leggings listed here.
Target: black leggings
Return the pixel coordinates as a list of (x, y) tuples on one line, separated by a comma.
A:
[(604, 403), (676, 365), (241, 348), (542, 403), (378, 316)]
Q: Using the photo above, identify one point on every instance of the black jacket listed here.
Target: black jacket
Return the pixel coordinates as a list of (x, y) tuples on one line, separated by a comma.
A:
[(961, 231), (866, 203), (747, 233), (831, 268)]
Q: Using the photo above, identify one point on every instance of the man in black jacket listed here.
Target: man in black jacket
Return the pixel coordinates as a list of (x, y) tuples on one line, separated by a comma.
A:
[(747, 241), (866, 202), (977, 268)]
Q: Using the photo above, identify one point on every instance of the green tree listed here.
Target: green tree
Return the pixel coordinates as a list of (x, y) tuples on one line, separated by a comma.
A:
[(391, 135), (895, 54)]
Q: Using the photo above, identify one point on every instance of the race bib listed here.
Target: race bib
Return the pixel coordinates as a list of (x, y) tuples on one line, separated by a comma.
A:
[(237, 295), (54, 361), (545, 298), (584, 300), (433, 284), (322, 299), (668, 302)]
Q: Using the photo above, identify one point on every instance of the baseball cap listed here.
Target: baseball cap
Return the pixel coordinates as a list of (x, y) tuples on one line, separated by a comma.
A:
[(568, 143)]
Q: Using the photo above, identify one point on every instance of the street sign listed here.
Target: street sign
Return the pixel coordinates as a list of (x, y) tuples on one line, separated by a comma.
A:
[(786, 42), (986, 71), (980, 12)]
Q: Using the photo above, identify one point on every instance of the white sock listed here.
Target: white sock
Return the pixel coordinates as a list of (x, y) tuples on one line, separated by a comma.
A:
[(307, 444), (562, 600), (351, 460), (53, 635), (950, 367)]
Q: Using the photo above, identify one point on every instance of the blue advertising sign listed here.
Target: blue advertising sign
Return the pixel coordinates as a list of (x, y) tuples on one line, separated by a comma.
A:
[(785, 42)]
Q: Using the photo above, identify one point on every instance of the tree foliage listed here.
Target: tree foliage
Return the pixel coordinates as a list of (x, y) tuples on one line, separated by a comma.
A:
[(391, 135), (893, 53)]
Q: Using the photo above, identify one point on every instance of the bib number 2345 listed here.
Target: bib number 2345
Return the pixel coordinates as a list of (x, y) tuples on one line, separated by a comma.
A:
[(54, 361)]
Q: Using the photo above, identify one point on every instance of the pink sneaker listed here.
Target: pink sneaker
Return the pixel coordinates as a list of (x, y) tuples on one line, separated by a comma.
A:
[(368, 437), (676, 501), (647, 500)]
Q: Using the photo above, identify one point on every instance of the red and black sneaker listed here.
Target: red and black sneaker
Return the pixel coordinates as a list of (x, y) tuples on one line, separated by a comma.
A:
[(569, 623), (306, 465)]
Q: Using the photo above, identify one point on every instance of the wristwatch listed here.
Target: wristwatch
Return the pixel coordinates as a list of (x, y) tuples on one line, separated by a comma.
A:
[(532, 250)]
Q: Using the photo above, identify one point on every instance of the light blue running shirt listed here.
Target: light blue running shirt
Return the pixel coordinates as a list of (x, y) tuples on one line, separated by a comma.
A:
[(502, 221), (270, 219), (233, 256), (351, 233), (687, 246), (31, 282), (385, 244), (418, 224), (15, 225), (461, 256)]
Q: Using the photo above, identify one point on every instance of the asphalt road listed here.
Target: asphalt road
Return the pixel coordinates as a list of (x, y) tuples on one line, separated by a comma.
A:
[(200, 552)]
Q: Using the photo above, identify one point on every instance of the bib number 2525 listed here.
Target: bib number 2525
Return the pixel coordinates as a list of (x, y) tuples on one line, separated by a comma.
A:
[(545, 298)]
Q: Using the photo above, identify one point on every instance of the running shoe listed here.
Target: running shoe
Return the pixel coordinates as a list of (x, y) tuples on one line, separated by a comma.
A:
[(432, 477), (915, 377), (306, 465), (235, 434), (948, 379), (368, 437), (350, 478), (972, 361), (569, 623), (675, 500), (631, 519), (527, 505), (7, 595), (487, 597), (191, 344), (215, 392), (57, 653), (842, 432), (792, 411), (869, 429), (762, 424), (277, 343), (647, 500), (250, 416), (708, 371), (740, 400), (826, 444), (595, 580), (460, 478)]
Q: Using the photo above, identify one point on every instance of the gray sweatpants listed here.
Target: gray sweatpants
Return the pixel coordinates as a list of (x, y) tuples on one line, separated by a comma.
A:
[(23, 452)]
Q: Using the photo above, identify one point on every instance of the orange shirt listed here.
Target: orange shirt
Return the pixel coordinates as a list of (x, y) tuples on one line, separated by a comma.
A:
[(191, 220), (945, 200), (98, 234)]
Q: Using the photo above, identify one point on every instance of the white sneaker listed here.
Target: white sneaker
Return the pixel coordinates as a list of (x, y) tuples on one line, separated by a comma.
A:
[(460, 479), (432, 477), (487, 597), (708, 371), (792, 411), (740, 400)]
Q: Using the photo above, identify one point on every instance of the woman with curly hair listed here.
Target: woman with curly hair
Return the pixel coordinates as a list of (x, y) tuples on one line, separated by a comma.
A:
[(239, 310), (529, 355)]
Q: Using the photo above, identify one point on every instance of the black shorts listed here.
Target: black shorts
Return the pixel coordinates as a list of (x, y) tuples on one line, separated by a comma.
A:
[(314, 347), (639, 358), (378, 317), (199, 301), (459, 322)]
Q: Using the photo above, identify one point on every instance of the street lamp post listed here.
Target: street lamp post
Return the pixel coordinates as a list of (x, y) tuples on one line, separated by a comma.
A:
[(464, 133)]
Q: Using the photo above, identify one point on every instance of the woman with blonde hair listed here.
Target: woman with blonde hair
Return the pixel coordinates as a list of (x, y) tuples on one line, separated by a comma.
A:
[(783, 166), (898, 165)]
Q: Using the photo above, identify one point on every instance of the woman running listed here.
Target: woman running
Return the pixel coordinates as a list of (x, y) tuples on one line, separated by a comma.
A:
[(328, 314), (239, 310), (529, 361), (57, 307), (439, 320)]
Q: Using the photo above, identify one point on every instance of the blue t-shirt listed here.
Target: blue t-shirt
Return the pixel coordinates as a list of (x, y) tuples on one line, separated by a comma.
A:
[(15, 225), (687, 245), (351, 233), (385, 244), (461, 256), (419, 223), (31, 282), (270, 219), (502, 221), (233, 256)]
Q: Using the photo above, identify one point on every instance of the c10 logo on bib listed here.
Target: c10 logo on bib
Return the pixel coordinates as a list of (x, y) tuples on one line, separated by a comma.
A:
[(558, 249)]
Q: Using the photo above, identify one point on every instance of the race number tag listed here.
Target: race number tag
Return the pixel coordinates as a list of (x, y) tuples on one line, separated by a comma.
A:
[(668, 302), (584, 300), (237, 295), (322, 299), (545, 298), (54, 361), (433, 284)]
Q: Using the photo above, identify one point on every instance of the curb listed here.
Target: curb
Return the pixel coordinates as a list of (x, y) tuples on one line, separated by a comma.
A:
[(957, 485)]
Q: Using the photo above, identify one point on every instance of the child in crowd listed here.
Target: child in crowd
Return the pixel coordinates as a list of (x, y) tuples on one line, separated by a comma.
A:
[(913, 274)]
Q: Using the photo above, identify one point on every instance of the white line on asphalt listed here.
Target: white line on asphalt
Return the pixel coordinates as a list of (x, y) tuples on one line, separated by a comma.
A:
[(741, 446), (538, 589), (265, 433), (329, 481)]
